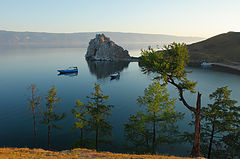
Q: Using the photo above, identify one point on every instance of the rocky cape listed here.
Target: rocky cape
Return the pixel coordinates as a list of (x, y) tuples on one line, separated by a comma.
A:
[(102, 48)]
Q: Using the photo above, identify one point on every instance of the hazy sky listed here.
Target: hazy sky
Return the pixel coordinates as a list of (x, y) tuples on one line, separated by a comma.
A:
[(203, 18)]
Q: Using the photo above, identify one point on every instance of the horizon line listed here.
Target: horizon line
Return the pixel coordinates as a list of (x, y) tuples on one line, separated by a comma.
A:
[(105, 32)]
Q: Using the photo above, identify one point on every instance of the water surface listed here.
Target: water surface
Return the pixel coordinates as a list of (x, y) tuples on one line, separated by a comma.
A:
[(21, 67)]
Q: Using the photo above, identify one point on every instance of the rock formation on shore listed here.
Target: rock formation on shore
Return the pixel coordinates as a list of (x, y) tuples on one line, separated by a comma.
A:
[(102, 48)]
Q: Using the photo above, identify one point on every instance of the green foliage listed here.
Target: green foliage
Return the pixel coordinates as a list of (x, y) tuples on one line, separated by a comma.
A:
[(35, 99), (49, 116), (34, 103), (156, 100), (80, 112), (99, 111), (155, 124), (232, 142), (93, 116), (169, 63), (221, 120), (223, 112), (137, 133)]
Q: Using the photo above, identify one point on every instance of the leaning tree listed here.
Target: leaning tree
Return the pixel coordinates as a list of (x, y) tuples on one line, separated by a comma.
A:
[(169, 65)]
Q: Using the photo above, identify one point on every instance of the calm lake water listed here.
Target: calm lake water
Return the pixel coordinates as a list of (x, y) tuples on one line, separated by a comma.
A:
[(21, 67)]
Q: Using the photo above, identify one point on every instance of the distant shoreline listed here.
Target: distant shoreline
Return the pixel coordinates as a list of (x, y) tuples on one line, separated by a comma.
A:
[(220, 67), (215, 66)]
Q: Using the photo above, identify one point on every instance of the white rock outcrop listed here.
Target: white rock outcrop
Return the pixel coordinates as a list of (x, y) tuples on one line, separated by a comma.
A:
[(102, 48)]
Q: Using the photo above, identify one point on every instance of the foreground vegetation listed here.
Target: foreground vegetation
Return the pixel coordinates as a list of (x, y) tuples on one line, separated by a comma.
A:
[(216, 125), (169, 67), (19, 153), (221, 118)]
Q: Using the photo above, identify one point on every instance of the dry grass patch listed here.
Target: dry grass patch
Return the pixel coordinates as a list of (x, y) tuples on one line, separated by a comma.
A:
[(22, 153)]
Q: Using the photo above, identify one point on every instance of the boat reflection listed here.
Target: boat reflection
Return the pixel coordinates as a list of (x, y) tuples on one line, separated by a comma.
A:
[(104, 69), (115, 78), (72, 74)]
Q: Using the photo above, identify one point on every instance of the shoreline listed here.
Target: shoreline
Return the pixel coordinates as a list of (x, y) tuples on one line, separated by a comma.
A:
[(237, 68), (219, 67)]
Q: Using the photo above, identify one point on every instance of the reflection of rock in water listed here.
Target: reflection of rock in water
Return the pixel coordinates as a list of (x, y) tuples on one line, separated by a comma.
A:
[(103, 69)]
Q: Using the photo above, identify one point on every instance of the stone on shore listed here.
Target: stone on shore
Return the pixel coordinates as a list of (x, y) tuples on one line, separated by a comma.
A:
[(102, 48)]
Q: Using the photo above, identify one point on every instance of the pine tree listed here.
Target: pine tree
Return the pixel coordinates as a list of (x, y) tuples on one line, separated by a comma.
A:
[(34, 103), (137, 134), (80, 114), (98, 114), (155, 123), (49, 116), (221, 121)]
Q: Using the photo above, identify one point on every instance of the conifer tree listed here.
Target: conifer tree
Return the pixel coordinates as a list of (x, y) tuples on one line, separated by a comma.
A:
[(98, 114), (49, 116), (221, 120), (80, 114), (155, 123), (34, 102)]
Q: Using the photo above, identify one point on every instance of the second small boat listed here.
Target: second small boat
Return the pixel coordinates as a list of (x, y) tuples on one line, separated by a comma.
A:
[(115, 75)]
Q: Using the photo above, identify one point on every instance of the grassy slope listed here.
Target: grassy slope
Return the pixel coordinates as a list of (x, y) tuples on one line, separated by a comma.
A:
[(17, 153), (223, 48)]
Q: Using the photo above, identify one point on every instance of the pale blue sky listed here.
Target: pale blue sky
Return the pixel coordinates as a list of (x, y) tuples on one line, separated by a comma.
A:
[(203, 18)]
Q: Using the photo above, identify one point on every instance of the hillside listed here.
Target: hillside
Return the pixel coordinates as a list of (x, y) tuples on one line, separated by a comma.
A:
[(223, 48), (19, 153), (51, 40)]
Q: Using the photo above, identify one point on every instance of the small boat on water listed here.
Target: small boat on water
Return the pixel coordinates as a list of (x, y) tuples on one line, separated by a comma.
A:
[(205, 64), (69, 70), (114, 75)]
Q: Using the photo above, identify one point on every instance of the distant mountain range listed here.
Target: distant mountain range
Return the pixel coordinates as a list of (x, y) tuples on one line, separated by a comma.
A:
[(54, 40), (223, 48)]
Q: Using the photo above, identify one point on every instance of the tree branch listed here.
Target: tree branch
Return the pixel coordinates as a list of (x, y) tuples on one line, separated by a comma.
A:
[(180, 91)]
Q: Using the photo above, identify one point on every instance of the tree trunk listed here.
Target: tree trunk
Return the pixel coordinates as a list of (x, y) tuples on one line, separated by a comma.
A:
[(146, 138), (48, 136), (81, 137), (196, 145), (154, 135), (96, 139), (97, 126), (210, 142), (35, 131)]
